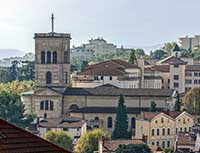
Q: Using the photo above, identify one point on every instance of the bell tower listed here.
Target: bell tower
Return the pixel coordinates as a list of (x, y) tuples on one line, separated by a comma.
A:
[(52, 58)]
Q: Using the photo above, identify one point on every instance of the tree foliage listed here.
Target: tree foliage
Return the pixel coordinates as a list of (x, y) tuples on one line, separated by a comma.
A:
[(133, 148), (153, 106), (132, 57), (177, 102), (158, 54), (60, 138), (192, 101), (121, 123), (88, 143), (12, 109)]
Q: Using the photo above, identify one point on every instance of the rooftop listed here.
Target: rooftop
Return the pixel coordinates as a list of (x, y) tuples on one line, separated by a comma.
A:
[(17, 140)]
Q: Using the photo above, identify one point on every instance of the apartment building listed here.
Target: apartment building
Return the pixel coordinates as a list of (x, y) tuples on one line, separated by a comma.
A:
[(160, 128), (189, 42)]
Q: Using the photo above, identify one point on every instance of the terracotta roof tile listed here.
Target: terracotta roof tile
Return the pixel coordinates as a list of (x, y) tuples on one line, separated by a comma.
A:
[(16, 140)]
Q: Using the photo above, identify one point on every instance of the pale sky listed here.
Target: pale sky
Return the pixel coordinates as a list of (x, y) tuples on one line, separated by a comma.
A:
[(123, 22)]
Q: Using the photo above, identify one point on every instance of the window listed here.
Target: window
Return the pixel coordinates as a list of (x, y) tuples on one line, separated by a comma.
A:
[(42, 57), (163, 144), (48, 57), (109, 122), (65, 129), (162, 120), (110, 77), (152, 132), (157, 143), (180, 129), (188, 81), (133, 122), (188, 74), (195, 74), (152, 143), (55, 57), (176, 84), (156, 121), (42, 105), (96, 78), (163, 131), (45, 116), (184, 121), (195, 81), (176, 77), (66, 57), (176, 130), (158, 132), (185, 129), (48, 78), (168, 144), (176, 66), (96, 118), (51, 105), (66, 77), (168, 131), (101, 77), (46, 104)]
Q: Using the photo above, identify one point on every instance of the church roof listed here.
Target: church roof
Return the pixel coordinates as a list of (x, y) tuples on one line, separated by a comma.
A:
[(17, 140), (110, 91), (176, 48)]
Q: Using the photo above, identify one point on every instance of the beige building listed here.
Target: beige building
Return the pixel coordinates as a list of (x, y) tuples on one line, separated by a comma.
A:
[(160, 128), (74, 127), (189, 42)]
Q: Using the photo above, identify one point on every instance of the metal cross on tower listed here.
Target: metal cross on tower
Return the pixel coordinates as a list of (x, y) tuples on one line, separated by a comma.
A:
[(52, 22)]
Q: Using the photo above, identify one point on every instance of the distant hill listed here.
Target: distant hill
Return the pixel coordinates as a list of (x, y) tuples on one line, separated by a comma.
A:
[(12, 55), (5, 53)]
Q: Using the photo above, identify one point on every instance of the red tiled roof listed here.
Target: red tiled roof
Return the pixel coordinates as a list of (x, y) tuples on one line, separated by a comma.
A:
[(185, 139), (151, 115), (16, 140), (111, 67)]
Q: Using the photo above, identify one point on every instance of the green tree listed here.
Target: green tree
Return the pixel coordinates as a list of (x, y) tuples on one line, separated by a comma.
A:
[(139, 52), (153, 106), (168, 47), (192, 101), (84, 64), (88, 143), (169, 150), (27, 71), (177, 102), (121, 123), (14, 70), (12, 109), (60, 138), (132, 57), (158, 54), (133, 148)]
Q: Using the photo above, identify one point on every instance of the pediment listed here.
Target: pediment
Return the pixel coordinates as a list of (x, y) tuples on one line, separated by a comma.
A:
[(46, 92)]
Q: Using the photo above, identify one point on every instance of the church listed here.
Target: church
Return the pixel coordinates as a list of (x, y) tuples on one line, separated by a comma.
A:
[(53, 97)]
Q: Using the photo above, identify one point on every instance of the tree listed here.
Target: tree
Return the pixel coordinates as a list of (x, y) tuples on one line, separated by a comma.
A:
[(177, 102), (14, 70), (153, 106), (133, 148), (139, 52), (88, 143), (132, 58), (84, 64), (60, 138), (158, 54), (192, 101), (168, 47), (169, 150), (121, 123), (12, 109), (27, 71)]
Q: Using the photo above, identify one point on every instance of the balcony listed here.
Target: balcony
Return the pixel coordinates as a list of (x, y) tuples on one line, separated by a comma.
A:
[(128, 78)]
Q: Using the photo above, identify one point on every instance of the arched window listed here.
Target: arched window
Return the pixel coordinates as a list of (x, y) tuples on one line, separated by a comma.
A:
[(73, 107), (51, 105), (109, 122), (55, 57), (48, 57), (42, 57), (132, 122), (46, 104), (96, 118), (42, 105), (48, 77)]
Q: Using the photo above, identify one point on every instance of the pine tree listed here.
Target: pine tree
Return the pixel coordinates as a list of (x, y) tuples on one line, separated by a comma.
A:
[(121, 123), (132, 58), (177, 102), (153, 106)]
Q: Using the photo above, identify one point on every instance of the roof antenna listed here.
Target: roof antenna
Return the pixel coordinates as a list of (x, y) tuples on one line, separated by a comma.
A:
[(52, 22)]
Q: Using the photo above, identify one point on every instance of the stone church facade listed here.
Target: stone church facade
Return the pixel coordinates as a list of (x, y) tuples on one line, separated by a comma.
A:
[(52, 96)]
